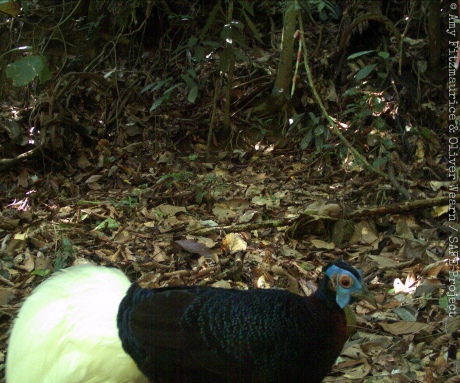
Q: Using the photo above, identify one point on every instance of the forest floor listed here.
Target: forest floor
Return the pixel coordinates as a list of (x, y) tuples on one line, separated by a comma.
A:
[(237, 220)]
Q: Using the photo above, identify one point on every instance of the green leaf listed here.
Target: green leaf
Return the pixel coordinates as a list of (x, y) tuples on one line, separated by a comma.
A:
[(306, 140), (384, 55), (158, 102), (210, 20), (66, 244), (240, 40), (169, 90), (129, 201), (444, 302), (225, 59), (388, 143), (147, 87), (155, 86), (9, 7), (26, 48), (199, 196), (238, 24), (212, 44), (226, 32), (378, 162), (365, 71), (295, 121), (313, 118), (24, 71), (188, 80), (199, 53), (318, 143), (351, 92), (192, 94), (163, 98), (192, 42), (192, 73), (358, 54), (59, 263), (41, 272), (422, 65), (108, 223), (253, 28), (378, 104), (380, 124), (319, 130), (161, 83), (241, 55), (248, 7)]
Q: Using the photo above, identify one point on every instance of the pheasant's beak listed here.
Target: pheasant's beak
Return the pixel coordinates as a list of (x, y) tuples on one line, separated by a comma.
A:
[(364, 295)]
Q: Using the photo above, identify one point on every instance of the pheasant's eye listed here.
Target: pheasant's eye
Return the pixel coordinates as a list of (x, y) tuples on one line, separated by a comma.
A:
[(345, 281)]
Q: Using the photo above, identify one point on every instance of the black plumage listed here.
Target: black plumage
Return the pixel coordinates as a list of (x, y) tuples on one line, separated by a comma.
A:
[(204, 334)]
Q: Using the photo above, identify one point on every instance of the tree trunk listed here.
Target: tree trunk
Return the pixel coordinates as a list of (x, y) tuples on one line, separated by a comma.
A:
[(283, 80), (434, 33)]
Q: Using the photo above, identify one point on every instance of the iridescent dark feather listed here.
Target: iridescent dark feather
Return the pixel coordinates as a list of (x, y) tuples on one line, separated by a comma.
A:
[(203, 334)]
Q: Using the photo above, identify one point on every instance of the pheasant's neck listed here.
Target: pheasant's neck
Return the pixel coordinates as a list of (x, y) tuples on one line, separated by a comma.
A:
[(325, 295)]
